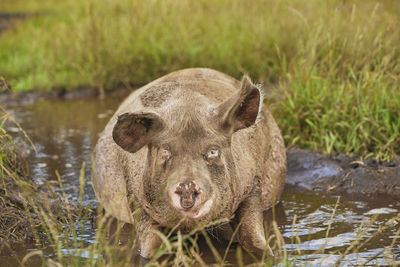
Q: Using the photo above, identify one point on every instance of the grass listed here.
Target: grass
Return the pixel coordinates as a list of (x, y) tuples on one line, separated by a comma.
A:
[(13, 181), (334, 65)]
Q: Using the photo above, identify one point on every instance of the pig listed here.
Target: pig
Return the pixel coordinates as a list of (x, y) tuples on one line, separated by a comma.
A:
[(187, 149)]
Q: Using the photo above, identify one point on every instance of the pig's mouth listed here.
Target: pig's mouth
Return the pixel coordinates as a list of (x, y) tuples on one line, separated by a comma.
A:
[(195, 210), (201, 211), (198, 211)]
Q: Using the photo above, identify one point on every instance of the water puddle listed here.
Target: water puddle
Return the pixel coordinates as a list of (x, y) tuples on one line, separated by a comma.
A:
[(65, 131)]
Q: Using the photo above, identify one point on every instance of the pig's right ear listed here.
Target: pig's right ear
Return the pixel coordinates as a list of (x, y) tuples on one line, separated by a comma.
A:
[(241, 110), (134, 130)]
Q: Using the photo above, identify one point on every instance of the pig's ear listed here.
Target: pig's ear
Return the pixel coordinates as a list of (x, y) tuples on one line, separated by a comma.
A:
[(134, 130), (241, 110)]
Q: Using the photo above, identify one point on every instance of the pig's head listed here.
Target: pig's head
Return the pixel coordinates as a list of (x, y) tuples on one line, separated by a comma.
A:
[(190, 175)]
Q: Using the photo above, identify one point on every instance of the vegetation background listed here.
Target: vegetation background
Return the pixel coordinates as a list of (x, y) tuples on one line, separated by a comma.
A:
[(332, 66)]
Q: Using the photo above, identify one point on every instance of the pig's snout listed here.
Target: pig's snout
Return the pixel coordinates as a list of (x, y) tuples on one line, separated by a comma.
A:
[(192, 198), (188, 193)]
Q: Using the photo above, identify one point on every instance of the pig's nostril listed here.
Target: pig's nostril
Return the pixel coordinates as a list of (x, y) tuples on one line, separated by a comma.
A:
[(187, 203), (188, 193)]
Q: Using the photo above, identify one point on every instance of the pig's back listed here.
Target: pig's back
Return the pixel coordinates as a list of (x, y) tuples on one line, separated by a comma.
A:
[(212, 85)]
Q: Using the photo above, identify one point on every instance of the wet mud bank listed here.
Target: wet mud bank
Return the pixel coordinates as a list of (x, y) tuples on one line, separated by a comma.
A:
[(19, 196), (11, 99), (343, 174), (8, 20)]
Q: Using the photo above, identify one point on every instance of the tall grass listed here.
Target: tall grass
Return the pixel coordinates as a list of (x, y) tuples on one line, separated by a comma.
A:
[(13, 181), (335, 64)]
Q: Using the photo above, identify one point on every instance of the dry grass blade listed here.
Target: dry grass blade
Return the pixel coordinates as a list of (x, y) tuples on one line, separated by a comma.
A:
[(280, 242), (239, 256), (330, 222), (19, 127), (198, 258), (30, 255), (231, 241), (214, 251), (82, 183)]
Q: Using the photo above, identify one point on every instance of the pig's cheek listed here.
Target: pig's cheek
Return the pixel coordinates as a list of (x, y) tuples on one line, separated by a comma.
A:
[(175, 199), (204, 209)]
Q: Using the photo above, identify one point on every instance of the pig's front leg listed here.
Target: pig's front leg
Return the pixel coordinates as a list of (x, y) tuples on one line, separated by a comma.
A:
[(149, 241), (249, 217)]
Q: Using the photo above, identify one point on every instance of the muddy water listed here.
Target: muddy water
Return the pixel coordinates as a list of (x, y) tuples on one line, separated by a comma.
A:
[(64, 133)]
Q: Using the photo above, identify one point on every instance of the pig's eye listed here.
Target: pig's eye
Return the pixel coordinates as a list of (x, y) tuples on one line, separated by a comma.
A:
[(212, 154), (165, 153)]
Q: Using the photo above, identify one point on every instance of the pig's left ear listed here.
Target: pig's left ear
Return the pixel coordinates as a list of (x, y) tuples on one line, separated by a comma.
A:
[(134, 130), (241, 110)]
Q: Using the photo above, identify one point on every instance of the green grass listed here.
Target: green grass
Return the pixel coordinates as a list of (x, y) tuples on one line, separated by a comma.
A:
[(335, 65)]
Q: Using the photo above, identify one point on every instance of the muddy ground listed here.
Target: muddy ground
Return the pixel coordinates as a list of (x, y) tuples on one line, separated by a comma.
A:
[(343, 174), (10, 99), (15, 188), (21, 199)]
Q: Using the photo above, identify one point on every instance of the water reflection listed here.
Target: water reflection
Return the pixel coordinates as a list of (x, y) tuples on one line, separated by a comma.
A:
[(64, 133), (351, 221)]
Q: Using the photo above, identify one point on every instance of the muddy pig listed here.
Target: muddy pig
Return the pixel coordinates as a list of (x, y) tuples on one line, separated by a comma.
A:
[(191, 147)]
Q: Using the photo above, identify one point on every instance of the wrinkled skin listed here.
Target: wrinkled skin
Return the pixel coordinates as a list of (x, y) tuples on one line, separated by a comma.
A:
[(191, 147)]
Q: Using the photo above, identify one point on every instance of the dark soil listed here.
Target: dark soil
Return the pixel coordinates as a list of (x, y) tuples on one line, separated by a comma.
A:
[(343, 174), (9, 99), (8, 20)]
